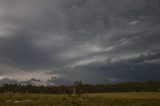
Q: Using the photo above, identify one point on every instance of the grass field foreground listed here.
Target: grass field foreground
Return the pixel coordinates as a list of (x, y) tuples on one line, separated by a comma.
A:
[(103, 99)]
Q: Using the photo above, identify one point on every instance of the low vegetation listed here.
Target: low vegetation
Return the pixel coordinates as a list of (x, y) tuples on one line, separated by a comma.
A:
[(100, 99), (79, 87), (79, 94)]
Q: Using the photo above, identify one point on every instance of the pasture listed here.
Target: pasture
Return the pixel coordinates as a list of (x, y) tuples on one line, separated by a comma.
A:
[(99, 99)]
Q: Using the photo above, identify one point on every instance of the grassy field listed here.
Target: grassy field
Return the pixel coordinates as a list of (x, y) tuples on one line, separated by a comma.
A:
[(106, 99)]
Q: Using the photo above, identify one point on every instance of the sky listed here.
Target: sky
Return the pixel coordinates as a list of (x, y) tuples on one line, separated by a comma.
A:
[(93, 41)]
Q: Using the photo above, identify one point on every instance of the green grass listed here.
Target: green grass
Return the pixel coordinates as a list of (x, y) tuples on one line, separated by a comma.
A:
[(105, 99)]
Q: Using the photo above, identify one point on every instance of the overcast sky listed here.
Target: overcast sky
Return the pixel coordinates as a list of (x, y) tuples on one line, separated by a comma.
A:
[(95, 41)]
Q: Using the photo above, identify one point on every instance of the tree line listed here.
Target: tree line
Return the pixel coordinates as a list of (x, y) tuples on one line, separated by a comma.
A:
[(79, 87)]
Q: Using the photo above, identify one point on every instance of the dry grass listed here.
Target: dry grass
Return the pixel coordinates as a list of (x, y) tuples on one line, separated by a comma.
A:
[(129, 95), (103, 99)]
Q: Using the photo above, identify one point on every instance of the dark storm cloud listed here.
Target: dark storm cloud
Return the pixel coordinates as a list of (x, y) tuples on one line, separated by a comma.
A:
[(76, 39), (20, 51), (141, 68)]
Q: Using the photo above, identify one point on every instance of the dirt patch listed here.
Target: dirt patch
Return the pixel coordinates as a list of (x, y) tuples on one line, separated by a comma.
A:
[(20, 101)]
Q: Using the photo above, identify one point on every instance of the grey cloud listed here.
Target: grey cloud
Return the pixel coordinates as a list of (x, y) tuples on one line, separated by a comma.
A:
[(141, 68), (66, 35)]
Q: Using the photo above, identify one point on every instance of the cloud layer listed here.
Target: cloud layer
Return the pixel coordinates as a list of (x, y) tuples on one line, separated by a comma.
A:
[(96, 41)]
